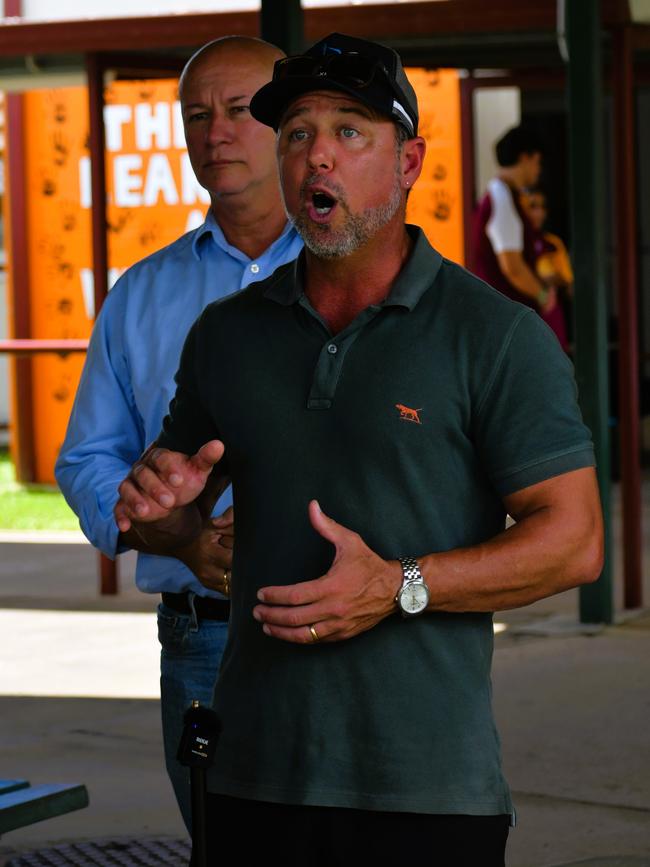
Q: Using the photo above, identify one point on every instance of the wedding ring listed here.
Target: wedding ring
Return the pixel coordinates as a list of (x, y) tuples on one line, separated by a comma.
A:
[(314, 634), (226, 583)]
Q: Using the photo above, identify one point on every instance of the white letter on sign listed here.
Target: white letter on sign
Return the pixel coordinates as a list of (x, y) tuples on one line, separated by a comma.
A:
[(159, 180), (127, 184), (115, 116), (152, 122)]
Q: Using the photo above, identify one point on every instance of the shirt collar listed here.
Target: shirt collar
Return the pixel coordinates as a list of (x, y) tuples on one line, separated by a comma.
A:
[(211, 228), (286, 285)]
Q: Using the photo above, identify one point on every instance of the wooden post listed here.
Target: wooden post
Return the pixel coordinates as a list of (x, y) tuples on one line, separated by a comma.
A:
[(95, 73)]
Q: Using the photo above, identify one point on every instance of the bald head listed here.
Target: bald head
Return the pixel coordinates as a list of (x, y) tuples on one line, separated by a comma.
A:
[(232, 154), (247, 49)]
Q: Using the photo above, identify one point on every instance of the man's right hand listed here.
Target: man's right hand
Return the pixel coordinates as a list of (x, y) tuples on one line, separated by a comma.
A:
[(163, 481)]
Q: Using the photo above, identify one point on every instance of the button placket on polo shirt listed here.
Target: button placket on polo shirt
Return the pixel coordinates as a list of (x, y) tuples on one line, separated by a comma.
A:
[(332, 358)]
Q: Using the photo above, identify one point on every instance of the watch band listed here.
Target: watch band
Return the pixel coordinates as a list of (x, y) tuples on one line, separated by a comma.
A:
[(410, 569), (410, 605)]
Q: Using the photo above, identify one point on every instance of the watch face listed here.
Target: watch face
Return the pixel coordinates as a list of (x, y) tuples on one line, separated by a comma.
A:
[(414, 598)]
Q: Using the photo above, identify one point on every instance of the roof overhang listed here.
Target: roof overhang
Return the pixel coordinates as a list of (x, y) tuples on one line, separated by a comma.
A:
[(457, 33)]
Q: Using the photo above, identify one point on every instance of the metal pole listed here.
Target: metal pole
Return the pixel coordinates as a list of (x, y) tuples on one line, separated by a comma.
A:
[(583, 32), (281, 22), (95, 73), (628, 315)]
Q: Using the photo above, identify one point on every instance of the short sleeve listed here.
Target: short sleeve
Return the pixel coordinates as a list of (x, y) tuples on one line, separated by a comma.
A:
[(528, 425), (504, 228)]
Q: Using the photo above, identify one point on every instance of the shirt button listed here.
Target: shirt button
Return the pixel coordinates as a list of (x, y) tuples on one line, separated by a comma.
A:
[(332, 349), (255, 268)]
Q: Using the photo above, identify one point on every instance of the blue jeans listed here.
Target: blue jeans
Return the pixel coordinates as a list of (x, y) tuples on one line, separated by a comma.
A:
[(190, 656)]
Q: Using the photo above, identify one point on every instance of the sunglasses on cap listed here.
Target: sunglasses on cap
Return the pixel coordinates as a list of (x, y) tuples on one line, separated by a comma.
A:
[(349, 69)]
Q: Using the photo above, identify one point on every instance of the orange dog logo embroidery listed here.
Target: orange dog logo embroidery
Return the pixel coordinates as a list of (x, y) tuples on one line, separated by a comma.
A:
[(408, 414)]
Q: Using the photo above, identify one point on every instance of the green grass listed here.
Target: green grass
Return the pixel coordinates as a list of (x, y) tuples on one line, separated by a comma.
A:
[(31, 507)]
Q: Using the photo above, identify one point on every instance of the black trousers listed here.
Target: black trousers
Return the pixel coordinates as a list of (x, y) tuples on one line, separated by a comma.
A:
[(337, 837)]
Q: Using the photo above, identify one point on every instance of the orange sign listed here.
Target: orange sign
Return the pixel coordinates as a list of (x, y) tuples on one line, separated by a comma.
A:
[(153, 197), (436, 202)]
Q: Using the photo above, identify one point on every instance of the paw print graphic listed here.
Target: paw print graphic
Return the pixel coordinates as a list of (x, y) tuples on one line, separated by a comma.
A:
[(68, 217), (118, 225), (48, 186), (60, 112), (60, 149), (439, 172), (442, 205), (65, 306), (148, 234)]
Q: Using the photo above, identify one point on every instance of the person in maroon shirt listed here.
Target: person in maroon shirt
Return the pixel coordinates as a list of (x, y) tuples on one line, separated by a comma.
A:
[(505, 243)]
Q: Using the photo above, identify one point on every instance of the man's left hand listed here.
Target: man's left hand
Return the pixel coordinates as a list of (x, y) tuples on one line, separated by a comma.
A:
[(354, 595), (209, 556)]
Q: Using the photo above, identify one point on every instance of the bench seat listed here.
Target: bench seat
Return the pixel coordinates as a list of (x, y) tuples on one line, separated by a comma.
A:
[(22, 804)]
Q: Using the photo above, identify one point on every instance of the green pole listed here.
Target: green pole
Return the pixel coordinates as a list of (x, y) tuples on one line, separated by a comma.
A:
[(583, 37), (281, 22)]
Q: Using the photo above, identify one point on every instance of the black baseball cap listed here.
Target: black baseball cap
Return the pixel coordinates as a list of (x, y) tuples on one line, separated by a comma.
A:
[(368, 71)]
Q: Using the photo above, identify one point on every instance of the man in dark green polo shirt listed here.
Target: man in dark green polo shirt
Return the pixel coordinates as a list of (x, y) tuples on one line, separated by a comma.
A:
[(404, 407)]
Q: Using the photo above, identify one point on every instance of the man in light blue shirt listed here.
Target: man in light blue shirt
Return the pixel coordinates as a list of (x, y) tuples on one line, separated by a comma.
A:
[(127, 381)]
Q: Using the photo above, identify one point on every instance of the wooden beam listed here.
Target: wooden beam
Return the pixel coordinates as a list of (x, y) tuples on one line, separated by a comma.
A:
[(122, 34), (143, 65), (373, 21), (391, 21)]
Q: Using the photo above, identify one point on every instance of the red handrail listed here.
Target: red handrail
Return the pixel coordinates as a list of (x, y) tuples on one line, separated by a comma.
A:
[(28, 346)]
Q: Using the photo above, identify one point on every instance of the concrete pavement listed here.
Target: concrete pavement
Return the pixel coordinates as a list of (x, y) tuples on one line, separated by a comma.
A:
[(76, 705), (574, 714)]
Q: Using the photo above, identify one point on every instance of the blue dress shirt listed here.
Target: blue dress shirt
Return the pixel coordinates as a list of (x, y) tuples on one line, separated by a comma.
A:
[(128, 379)]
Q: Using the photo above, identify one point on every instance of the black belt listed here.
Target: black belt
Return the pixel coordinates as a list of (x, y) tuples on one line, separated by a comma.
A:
[(206, 607)]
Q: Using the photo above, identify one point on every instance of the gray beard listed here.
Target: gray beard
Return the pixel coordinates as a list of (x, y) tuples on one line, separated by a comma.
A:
[(328, 243)]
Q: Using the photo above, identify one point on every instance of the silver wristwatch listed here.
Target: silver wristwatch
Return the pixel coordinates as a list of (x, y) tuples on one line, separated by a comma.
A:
[(413, 595)]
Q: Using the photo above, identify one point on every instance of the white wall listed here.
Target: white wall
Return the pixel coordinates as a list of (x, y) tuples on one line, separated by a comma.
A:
[(46, 10), (496, 109), (640, 10)]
